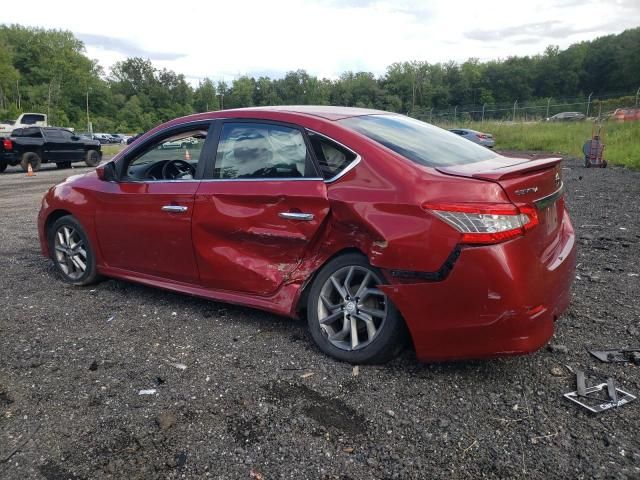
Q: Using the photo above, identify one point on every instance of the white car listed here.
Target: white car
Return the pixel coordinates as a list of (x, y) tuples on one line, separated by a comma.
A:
[(180, 143)]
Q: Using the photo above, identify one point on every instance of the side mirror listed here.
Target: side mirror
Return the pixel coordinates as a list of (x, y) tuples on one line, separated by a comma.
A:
[(106, 172), (75, 137)]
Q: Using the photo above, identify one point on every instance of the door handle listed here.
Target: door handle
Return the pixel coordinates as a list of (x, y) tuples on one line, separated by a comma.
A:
[(174, 208), (305, 217)]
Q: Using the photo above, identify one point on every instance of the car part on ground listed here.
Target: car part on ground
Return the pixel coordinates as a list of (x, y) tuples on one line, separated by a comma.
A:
[(592, 399), (273, 196), (630, 355)]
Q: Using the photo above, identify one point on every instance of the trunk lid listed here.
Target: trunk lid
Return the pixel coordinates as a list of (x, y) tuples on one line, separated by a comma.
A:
[(535, 182)]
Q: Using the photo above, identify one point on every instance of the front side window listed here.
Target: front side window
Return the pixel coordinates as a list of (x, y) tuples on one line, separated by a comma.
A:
[(257, 151), (173, 157), (418, 141)]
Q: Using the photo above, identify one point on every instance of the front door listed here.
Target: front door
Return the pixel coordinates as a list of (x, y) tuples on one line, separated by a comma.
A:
[(260, 211), (143, 221)]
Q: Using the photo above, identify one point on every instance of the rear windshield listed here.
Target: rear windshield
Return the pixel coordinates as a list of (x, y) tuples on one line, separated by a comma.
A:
[(418, 141)]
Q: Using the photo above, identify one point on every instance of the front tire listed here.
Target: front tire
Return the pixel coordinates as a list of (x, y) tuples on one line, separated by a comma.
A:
[(30, 158), (92, 158), (351, 319), (71, 252)]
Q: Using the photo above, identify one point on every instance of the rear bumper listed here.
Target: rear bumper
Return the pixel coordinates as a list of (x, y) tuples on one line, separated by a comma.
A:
[(498, 300)]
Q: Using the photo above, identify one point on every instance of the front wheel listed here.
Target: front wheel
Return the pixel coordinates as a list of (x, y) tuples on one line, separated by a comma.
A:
[(92, 158), (349, 317), (71, 251)]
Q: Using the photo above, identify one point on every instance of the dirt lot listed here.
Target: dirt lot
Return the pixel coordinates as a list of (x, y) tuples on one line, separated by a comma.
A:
[(244, 394)]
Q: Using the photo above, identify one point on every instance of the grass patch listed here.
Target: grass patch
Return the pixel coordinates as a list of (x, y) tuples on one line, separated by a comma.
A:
[(622, 140), (111, 149)]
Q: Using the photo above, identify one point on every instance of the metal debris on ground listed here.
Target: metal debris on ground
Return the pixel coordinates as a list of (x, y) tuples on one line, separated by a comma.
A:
[(631, 355), (592, 398)]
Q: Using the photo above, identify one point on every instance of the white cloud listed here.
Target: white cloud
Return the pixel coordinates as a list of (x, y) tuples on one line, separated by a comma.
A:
[(325, 37)]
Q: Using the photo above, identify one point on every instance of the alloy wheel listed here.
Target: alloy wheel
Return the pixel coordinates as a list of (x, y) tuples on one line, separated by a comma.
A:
[(351, 309), (70, 252)]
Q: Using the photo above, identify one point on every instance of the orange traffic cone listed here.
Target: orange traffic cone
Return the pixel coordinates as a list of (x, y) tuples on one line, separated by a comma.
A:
[(30, 171), (187, 155)]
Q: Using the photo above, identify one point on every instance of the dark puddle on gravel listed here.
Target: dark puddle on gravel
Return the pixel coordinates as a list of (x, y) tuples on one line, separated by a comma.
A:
[(329, 412)]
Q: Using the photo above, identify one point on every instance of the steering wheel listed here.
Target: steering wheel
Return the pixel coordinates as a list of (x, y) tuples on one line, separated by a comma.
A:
[(177, 169)]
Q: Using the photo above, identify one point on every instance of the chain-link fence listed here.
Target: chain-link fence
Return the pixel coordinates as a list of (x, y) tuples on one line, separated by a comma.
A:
[(598, 107)]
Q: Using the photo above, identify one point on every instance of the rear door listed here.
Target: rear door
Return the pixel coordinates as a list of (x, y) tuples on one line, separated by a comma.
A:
[(260, 210)]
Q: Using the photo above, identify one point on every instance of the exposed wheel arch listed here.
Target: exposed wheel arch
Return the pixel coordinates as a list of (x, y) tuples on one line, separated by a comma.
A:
[(301, 303)]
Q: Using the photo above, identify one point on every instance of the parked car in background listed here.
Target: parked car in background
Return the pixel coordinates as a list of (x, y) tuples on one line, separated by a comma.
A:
[(484, 139), (104, 138), (180, 143), (567, 117), (133, 138), (36, 145), (368, 223)]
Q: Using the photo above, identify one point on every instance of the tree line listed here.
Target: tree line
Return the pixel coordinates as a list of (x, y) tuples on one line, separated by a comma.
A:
[(48, 71)]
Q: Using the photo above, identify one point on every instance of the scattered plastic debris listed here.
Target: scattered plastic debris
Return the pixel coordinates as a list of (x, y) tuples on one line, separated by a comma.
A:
[(356, 371), (592, 399), (151, 391), (622, 355), (111, 318), (306, 375), (179, 366)]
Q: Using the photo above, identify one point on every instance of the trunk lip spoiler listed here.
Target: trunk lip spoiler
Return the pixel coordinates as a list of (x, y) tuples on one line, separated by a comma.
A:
[(550, 199), (503, 172)]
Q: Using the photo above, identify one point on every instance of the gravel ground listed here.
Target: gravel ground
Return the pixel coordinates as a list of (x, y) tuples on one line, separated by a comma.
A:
[(245, 394)]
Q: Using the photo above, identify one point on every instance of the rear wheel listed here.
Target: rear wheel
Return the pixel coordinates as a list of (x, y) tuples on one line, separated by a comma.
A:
[(3, 165), (349, 317), (71, 251), (92, 158), (30, 158)]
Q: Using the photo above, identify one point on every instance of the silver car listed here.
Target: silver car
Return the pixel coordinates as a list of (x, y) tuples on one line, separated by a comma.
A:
[(484, 139)]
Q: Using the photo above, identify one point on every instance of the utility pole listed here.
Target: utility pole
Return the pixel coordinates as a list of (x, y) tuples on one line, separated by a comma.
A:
[(548, 102), (89, 129), (18, 91), (430, 114), (49, 104), (483, 105), (637, 94), (589, 103), (514, 111), (455, 111)]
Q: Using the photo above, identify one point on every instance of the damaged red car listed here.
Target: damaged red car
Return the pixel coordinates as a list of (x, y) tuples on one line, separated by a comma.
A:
[(373, 226)]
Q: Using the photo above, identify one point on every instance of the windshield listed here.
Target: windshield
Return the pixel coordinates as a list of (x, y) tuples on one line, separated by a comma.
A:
[(418, 141)]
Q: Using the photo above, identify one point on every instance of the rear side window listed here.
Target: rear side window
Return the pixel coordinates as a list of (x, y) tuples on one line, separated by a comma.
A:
[(257, 151), (32, 119), (418, 141), (27, 132), (332, 158)]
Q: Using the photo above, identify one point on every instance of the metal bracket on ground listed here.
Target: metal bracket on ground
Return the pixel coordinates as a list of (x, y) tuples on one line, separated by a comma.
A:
[(592, 399)]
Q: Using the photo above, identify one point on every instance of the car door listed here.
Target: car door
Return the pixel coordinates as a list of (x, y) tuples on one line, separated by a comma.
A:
[(260, 210), (55, 145), (143, 221)]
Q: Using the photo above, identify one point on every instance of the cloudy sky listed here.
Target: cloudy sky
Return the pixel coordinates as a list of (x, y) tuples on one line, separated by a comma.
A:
[(325, 37)]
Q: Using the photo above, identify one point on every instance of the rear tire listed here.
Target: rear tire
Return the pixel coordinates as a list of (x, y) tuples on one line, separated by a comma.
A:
[(381, 331), (3, 165), (30, 158), (71, 251)]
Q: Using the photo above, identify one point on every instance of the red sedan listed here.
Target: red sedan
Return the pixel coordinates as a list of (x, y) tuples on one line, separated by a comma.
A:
[(371, 225)]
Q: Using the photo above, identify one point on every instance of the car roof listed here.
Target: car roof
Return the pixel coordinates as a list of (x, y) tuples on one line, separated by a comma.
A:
[(327, 112)]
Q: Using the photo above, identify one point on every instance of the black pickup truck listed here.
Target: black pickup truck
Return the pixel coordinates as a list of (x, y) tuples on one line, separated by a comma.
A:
[(36, 145)]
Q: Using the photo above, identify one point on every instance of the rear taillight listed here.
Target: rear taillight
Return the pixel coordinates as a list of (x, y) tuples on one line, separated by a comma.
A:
[(7, 144), (481, 223)]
